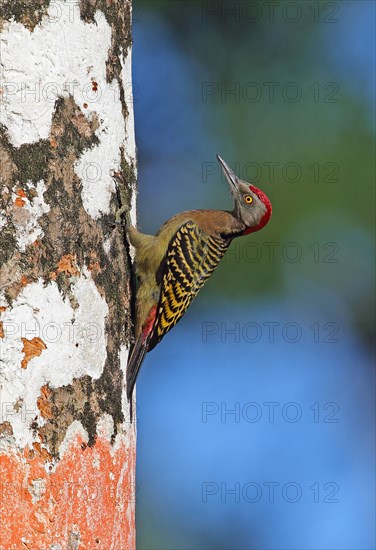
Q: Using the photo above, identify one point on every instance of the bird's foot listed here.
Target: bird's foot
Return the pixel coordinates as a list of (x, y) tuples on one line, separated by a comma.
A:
[(122, 215)]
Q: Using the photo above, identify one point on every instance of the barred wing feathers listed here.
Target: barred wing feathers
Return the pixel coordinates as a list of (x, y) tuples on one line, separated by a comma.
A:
[(191, 258)]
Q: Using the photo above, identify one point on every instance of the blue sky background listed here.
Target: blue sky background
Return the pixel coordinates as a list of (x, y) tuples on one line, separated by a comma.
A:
[(317, 290)]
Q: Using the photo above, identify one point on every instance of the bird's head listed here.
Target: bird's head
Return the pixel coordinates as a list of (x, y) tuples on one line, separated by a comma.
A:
[(252, 206)]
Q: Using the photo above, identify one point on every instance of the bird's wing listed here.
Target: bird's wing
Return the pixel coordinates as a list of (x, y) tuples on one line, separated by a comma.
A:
[(191, 258)]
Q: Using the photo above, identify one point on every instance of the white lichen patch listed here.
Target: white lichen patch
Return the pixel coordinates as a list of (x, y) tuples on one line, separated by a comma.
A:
[(96, 165), (124, 352), (26, 217), (61, 57), (107, 245), (126, 77), (74, 340), (105, 427)]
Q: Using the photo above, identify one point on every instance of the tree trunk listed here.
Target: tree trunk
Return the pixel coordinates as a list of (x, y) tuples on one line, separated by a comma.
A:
[(67, 446)]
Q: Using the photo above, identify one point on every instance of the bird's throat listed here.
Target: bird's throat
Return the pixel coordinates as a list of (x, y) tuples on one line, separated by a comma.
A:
[(264, 220)]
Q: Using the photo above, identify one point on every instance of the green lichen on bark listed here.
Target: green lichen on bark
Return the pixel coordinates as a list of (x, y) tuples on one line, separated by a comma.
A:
[(27, 12), (29, 161), (32, 161), (8, 243)]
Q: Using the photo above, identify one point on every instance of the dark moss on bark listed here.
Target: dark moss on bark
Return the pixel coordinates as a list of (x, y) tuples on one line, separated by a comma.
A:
[(32, 161), (8, 243), (27, 12)]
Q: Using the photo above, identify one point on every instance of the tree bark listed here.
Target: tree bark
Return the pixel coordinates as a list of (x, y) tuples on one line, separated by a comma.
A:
[(67, 446)]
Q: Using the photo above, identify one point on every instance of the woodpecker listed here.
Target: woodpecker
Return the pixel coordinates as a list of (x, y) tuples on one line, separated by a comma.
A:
[(173, 265)]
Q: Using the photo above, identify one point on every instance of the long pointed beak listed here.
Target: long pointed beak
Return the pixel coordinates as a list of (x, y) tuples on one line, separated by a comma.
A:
[(231, 177)]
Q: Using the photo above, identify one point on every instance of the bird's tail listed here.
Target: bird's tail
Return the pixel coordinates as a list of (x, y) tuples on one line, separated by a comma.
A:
[(135, 361), (138, 353)]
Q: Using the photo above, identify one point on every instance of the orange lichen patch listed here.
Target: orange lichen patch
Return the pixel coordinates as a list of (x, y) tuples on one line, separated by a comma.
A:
[(1, 330), (53, 142), (68, 265), (43, 402), (2, 308), (19, 202), (31, 348), (21, 193), (90, 492), (24, 280)]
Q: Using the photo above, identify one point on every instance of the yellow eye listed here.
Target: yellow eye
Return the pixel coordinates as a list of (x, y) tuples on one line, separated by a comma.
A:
[(248, 199)]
